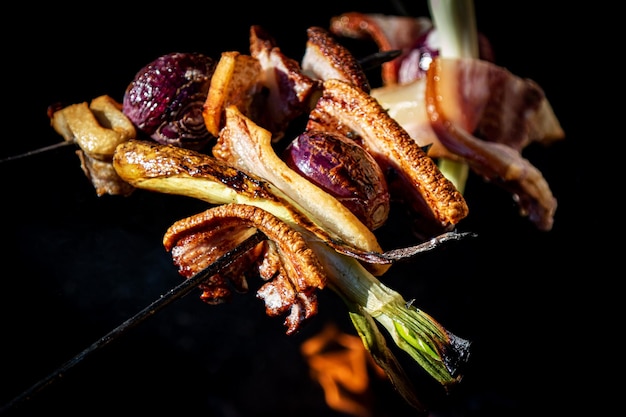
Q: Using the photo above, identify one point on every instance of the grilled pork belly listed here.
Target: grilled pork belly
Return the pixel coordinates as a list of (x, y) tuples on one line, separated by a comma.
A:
[(388, 32), (500, 163), (477, 113), (290, 269), (325, 58)]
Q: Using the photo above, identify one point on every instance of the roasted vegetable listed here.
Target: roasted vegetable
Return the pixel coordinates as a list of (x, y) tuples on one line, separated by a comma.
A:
[(165, 99), (345, 170), (97, 128)]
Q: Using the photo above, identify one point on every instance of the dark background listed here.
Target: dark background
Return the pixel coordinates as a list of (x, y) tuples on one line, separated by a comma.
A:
[(77, 265)]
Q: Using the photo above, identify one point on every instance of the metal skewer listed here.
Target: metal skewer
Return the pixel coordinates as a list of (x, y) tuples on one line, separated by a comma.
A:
[(378, 58), (175, 293), (39, 150)]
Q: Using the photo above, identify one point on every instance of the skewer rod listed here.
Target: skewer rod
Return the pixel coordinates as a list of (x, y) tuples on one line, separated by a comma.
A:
[(175, 293)]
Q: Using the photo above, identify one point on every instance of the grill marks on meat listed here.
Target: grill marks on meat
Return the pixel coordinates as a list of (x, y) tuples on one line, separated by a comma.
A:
[(243, 145), (351, 112), (290, 269)]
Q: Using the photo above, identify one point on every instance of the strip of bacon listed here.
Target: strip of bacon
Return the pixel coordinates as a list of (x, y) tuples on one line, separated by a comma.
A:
[(497, 162), (289, 267), (485, 99)]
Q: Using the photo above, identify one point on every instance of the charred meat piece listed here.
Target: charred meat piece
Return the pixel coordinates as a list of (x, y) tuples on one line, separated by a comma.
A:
[(325, 58), (417, 38), (288, 266), (481, 97)]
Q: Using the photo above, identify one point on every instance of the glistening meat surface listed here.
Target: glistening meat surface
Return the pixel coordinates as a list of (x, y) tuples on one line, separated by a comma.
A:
[(289, 267)]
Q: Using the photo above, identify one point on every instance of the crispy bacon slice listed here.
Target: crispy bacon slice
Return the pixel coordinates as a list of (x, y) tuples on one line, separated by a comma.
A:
[(412, 173), (290, 269), (483, 98), (497, 162), (325, 58), (493, 103), (485, 102)]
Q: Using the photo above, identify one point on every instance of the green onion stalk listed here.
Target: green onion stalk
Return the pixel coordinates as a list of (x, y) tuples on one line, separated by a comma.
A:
[(455, 21), (436, 350)]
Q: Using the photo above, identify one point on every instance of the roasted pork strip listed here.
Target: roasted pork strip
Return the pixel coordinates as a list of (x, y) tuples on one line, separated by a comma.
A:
[(291, 270), (496, 162), (356, 114), (326, 58)]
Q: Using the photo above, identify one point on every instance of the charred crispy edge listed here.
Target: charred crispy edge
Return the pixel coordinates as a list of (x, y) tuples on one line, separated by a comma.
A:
[(339, 57), (364, 115), (406, 104), (169, 169), (291, 244), (497, 162)]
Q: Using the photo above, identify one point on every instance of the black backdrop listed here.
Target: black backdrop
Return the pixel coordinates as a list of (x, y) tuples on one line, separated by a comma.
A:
[(76, 265)]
